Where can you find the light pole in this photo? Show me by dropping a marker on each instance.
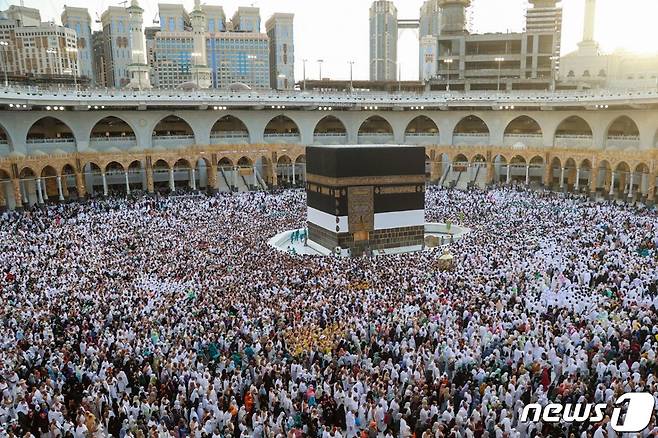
(351, 63)
(449, 62)
(304, 61)
(5, 63)
(320, 61)
(74, 68)
(499, 60)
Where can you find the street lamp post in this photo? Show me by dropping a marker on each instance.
(74, 68)
(351, 63)
(499, 60)
(449, 62)
(5, 63)
(320, 61)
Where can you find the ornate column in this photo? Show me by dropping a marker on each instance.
(212, 176)
(44, 189)
(293, 174)
(125, 173)
(275, 175)
(18, 198)
(60, 192)
(593, 177)
(612, 183)
(149, 177)
(172, 183)
(562, 178)
(576, 185)
(193, 178)
(491, 172)
(651, 188)
(548, 174)
(39, 194)
(509, 174)
(235, 176)
(630, 186)
(527, 174)
(104, 178)
(80, 184)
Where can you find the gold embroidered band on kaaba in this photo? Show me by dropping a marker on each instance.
(364, 180)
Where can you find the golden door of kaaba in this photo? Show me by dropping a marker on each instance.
(361, 211)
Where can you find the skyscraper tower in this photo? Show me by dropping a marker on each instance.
(383, 41)
(453, 16)
(200, 71)
(138, 69)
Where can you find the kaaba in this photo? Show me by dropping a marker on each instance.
(365, 198)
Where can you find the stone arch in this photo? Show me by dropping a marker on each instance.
(229, 129)
(523, 131)
(330, 125)
(421, 126)
(374, 130)
(574, 131)
(470, 130)
(112, 132)
(172, 132)
(523, 126)
(284, 166)
(622, 133)
(460, 158)
(6, 144)
(225, 162)
(479, 158)
(281, 129)
(330, 129)
(245, 161)
(50, 135)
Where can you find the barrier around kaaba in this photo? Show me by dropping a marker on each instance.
(365, 198)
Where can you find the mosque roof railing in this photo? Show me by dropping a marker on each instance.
(272, 99)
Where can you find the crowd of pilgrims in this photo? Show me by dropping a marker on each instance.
(172, 317)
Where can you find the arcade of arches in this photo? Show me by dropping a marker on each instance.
(37, 180)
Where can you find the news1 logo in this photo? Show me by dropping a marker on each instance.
(640, 406)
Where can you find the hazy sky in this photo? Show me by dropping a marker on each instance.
(337, 30)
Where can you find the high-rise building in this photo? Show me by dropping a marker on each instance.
(242, 57)
(24, 16)
(216, 18)
(35, 48)
(149, 35)
(383, 41)
(79, 20)
(428, 30)
(98, 58)
(117, 50)
(428, 57)
(246, 19)
(213, 53)
(496, 61)
(430, 19)
(172, 59)
(173, 18)
(282, 56)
